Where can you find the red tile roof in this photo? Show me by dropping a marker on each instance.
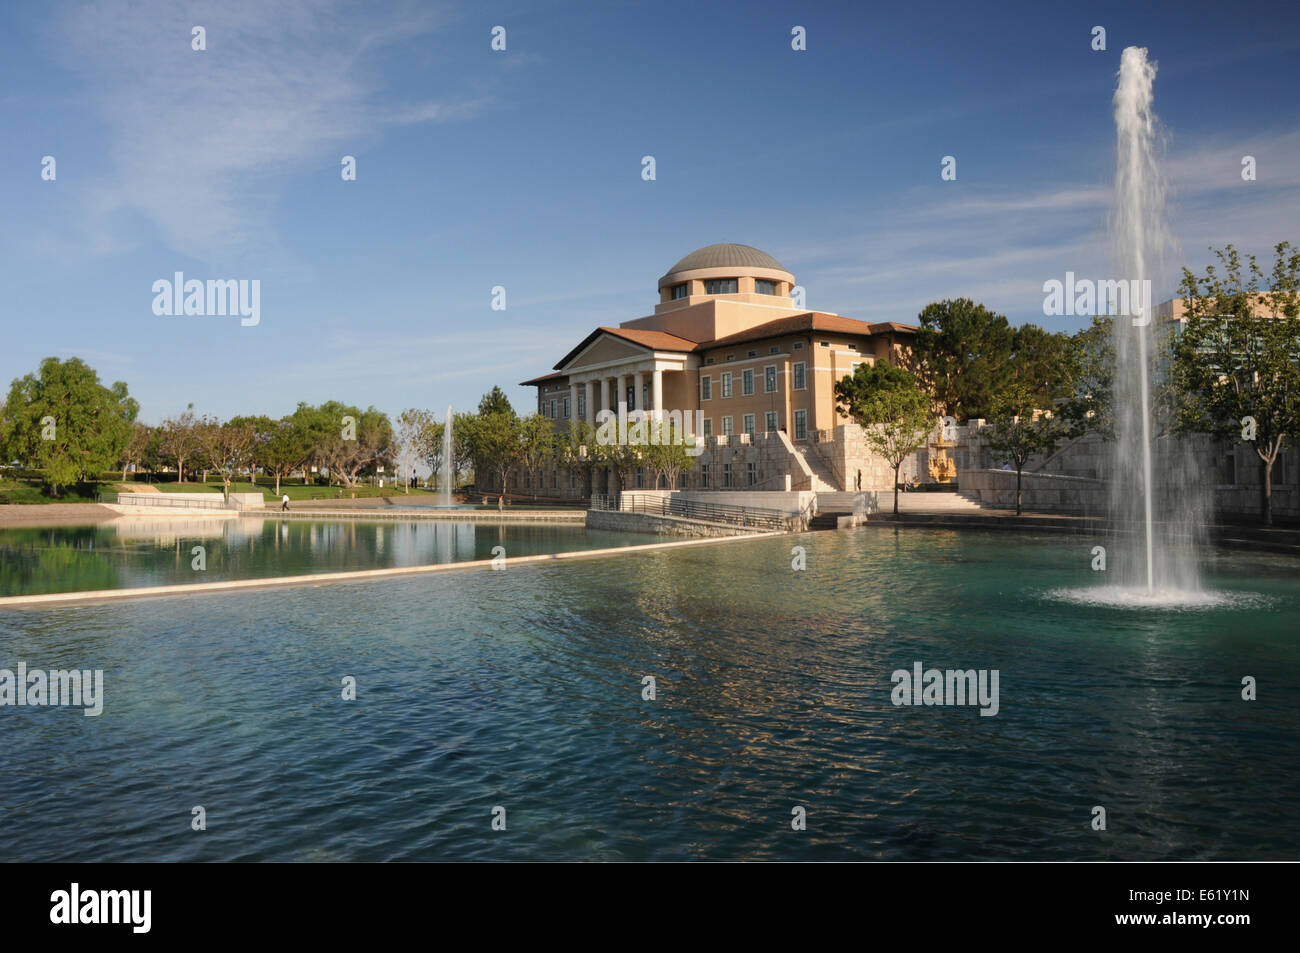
(808, 321)
(545, 378)
(663, 341)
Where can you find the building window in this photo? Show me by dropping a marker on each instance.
(751, 473)
(566, 407)
(731, 357)
(706, 388)
(708, 427)
(721, 286)
(573, 479)
(640, 478)
(798, 346)
(824, 343)
(747, 382)
(752, 354)
(771, 422)
(726, 475)
(555, 479)
(709, 361)
(645, 397)
(773, 350)
(764, 287)
(769, 378)
(704, 475)
(582, 405)
(681, 480)
(726, 384)
(747, 422)
(552, 409)
(801, 425)
(726, 426)
(680, 291)
(800, 376)
(631, 397)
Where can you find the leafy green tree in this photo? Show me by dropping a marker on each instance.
(63, 420)
(495, 402)
(893, 411)
(348, 440)
(536, 445)
(1237, 363)
(136, 447)
(1020, 428)
(290, 443)
(228, 447)
(1087, 405)
(493, 437)
(262, 429)
(962, 356)
(666, 455)
(574, 449)
(179, 443)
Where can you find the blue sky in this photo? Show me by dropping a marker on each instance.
(522, 168)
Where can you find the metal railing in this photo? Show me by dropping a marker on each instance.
(758, 517)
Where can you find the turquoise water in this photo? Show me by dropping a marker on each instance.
(133, 553)
(523, 688)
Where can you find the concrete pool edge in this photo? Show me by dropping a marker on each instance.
(95, 596)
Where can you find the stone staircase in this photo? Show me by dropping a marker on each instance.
(929, 503)
(823, 479)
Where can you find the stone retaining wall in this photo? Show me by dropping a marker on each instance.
(660, 525)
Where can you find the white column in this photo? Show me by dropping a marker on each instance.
(591, 402)
(638, 389)
(621, 392)
(573, 402)
(657, 393)
(604, 391)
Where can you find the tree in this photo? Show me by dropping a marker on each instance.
(575, 450)
(892, 410)
(1019, 428)
(262, 429)
(1237, 363)
(1087, 405)
(289, 444)
(667, 453)
(495, 402)
(493, 439)
(348, 440)
(536, 445)
(227, 447)
(136, 446)
(63, 420)
(180, 440)
(417, 437)
(962, 356)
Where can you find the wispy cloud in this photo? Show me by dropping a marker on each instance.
(199, 142)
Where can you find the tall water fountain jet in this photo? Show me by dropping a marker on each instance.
(1155, 489)
(447, 467)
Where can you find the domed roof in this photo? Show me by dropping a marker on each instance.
(726, 256)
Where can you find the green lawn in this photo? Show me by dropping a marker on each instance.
(33, 491)
(29, 489)
(294, 490)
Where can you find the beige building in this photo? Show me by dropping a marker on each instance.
(729, 343)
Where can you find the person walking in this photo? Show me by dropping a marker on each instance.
(284, 503)
(501, 504)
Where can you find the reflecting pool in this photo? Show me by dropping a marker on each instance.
(133, 553)
(523, 689)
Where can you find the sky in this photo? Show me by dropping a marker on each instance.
(522, 168)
